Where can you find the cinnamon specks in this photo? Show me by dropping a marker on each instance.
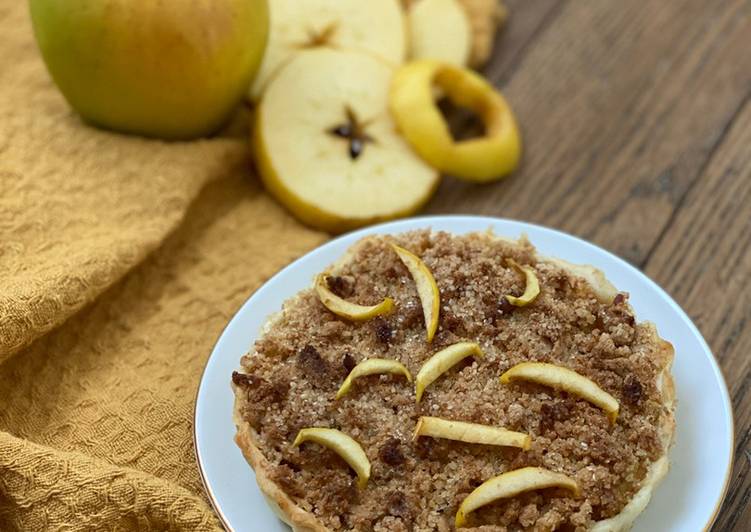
(632, 390)
(311, 364)
(390, 452)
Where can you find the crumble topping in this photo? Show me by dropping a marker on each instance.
(291, 377)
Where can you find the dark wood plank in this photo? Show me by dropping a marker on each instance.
(621, 104)
(526, 21)
(704, 261)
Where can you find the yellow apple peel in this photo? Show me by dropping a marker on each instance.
(564, 379)
(440, 362)
(343, 445)
(462, 431)
(427, 289)
(531, 288)
(512, 484)
(345, 309)
(373, 366)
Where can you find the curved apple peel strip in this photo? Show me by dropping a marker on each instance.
(564, 379)
(437, 427)
(341, 444)
(345, 309)
(426, 286)
(532, 288)
(512, 484)
(413, 106)
(441, 361)
(373, 366)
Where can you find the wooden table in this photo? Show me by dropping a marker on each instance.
(637, 135)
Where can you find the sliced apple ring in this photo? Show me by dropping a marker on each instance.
(412, 105)
(377, 28)
(427, 289)
(345, 309)
(343, 445)
(326, 147)
(373, 366)
(440, 362)
(531, 289)
(564, 379)
(437, 427)
(440, 30)
(512, 484)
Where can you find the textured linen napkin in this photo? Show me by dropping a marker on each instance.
(121, 260)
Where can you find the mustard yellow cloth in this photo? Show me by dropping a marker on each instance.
(121, 260)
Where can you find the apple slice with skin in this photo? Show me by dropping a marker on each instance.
(531, 289)
(564, 379)
(412, 103)
(378, 28)
(427, 289)
(440, 362)
(326, 146)
(345, 309)
(470, 433)
(343, 445)
(512, 484)
(439, 29)
(373, 366)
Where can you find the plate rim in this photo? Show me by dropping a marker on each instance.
(490, 220)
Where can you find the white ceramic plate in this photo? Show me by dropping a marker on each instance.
(701, 459)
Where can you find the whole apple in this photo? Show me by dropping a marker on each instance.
(170, 69)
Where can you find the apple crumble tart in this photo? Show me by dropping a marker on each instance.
(430, 381)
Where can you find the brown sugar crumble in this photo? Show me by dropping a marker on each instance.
(290, 378)
(341, 285)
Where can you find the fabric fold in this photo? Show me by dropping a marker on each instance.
(44, 489)
(121, 261)
(79, 206)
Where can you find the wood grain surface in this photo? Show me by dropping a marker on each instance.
(637, 131)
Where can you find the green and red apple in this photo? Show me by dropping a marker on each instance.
(164, 69)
